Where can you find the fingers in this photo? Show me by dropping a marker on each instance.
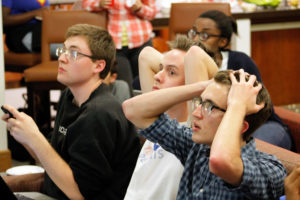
(12, 110)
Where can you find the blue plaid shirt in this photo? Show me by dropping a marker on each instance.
(263, 174)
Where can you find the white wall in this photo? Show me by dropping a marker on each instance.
(3, 135)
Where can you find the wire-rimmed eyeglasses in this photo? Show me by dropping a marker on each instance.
(206, 106)
(72, 54)
(203, 36)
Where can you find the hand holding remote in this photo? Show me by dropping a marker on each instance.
(7, 112)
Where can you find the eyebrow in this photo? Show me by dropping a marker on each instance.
(210, 101)
(161, 66)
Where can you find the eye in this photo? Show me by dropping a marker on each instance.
(208, 106)
(73, 53)
(171, 71)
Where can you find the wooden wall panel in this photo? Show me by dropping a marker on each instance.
(277, 55)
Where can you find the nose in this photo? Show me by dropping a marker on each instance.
(158, 77)
(63, 58)
(198, 112)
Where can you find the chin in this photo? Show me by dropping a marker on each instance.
(199, 139)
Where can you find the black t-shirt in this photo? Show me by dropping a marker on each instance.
(99, 144)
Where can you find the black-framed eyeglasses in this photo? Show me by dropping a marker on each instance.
(206, 106)
(72, 54)
(203, 36)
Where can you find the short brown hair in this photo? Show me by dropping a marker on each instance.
(99, 41)
(182, 42)
(255, 120)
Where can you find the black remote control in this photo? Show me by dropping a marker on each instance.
(7, 112)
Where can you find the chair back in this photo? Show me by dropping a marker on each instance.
(183, 15)
(56, 23)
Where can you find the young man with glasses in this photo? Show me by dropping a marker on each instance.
(93, 147)
(218, 153)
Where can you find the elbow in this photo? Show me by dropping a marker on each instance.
(195, 51)
(218, 165)
(146, 54)
(126, 106)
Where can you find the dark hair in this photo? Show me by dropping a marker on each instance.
(100, 43)
(255, 120)
(114, 68)
(226, 24)
(182, 42)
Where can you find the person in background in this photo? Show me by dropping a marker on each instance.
(118, 88)
(157, 172)
(129, 24)
(22, 24)
(93, 148)
(214, 30)
(219, 157)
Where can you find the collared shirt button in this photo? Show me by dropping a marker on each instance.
(201, 190)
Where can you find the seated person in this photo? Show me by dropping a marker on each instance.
(22, 25)
(157, 172)
(93, 147)
(219, 157)
(214, 30)
(118, 88)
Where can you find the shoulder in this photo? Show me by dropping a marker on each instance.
(239, 56)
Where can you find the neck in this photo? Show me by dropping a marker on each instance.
(83, 91)
(218, 58)
(179, 112)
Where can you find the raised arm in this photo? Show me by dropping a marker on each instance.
(198, 66)
(149, 61)
(144, 109)
(225, 156)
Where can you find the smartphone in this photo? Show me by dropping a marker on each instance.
(7, 112)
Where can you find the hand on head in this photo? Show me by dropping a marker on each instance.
(292, 185)
(244, 93)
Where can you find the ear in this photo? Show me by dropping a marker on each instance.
(223, 42)
(245, 126)
(113, 77)
(99, 66)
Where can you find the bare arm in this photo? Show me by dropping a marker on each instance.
(144, 109)
(198, 66)
(11, 20)
(149, 60)
(225, 156)
(25, 131)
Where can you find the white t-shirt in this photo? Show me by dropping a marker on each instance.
(156, 175)
(225, 57)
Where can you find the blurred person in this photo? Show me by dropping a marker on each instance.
(93, 147)
(118, 88)
(219, 157)
(214, 30)
(157, 172)
(22, 24)
(129, 24)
